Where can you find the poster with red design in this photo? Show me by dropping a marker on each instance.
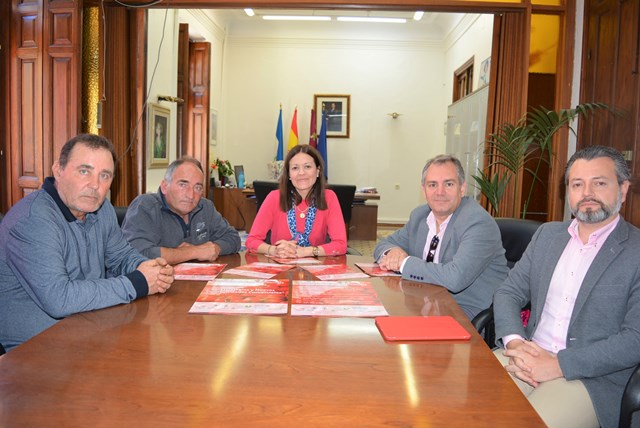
(197, 271)
(334, 272)
(374, 269)
(259, 270)
(243, 296)
(335, 299)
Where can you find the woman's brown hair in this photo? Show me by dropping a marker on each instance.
(288, 193)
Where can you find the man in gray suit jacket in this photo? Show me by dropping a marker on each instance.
(452, 241)
(582, 278)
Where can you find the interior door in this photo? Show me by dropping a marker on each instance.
(197, 105)
(610, 75)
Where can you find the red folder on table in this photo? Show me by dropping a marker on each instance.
(421, 328)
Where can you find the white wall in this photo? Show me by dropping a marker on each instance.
(262, 67)
(161, 52)
(164, 52)
(380, 77)
(470, 38)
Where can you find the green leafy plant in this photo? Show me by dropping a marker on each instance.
(223, 167)
(518, 146)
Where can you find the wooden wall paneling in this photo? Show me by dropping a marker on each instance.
(124, 122)
(564, 76)
(626, 136)
(26, 143)
(5, 113)
(507, 98)
(597, 66)
(182, 120)
(116, 107)
(61, 77)
(197, 144)
(541, 92)
(625, 129)
(135, 163)
(610, 75)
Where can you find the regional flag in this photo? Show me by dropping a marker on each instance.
(322, 143)
(280, 138)
(293, 134)
(313, 132)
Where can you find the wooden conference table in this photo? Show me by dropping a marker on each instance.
(151, 363)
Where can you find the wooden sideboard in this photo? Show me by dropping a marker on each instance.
(238, 206)
(235, 206)
(364, 222)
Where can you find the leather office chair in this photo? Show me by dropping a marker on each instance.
(630, 399)
(120, 213)
(345, 194)
(262, 189)
(516, 234)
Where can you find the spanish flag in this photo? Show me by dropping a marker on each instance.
(293, 134)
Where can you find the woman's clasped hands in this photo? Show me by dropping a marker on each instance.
(285, 249)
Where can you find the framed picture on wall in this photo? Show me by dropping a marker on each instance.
(337, 109)
(485, 72)
(213, 128)
(158, 136)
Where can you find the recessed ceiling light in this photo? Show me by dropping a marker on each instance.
(418, 15)
(371, 19)
(249, 12)
(296, 18)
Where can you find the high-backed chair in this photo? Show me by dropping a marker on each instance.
(345, 194)
(630, 399)
(262, 189)
(516, 234)
(121, 212)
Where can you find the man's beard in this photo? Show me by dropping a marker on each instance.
(596, 216)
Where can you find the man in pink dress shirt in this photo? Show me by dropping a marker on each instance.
(574, 357)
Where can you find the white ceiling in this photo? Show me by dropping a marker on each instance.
(433, 25)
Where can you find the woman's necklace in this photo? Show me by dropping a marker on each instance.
(303, 214)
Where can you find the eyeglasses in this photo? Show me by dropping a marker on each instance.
(432, 248)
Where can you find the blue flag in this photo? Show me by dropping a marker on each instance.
(322, 144)
(280, 138)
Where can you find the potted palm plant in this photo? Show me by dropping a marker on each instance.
(525, 145)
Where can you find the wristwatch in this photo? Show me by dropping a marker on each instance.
(316, 253)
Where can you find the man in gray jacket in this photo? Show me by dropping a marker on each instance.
(62, 252)
(452, 241)
(582, 278)
(177, 223)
